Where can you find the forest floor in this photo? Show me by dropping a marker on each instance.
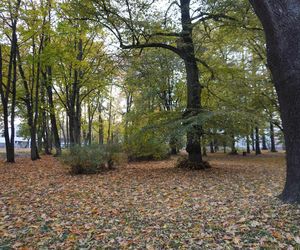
(148, 205)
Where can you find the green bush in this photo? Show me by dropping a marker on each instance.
(93, 159)
(141, 148)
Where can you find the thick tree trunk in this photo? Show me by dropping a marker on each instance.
(281, 24)
(74, 127)
(193, 85)
(193, 108)
(10, 153)
(272, 138)
(257, 142)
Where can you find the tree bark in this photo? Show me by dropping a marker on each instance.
(264, 143)
(193, 85)
(233, 148)
(252, 140)
(204, 151)
(248, 144)
(272, 138)
(224, 148)
(211, 145)
(8, 90)
(49, 85)
(101, 127)
(216, 145)
(281, 20)
(31, 102)
(257, 142)
(53, 121)
(173, 147)
(74, 102)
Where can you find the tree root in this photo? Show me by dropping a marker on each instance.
(183, 162)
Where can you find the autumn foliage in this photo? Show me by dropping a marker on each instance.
(148, 205)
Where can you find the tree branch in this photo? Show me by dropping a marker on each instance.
(153, 45)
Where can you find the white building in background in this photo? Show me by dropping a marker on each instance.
(19, 142)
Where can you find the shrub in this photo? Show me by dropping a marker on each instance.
(151, 149)
(92, 159)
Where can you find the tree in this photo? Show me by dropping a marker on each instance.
(8, 88)
(159, 35)
(280, 20)
(49, 86)
(31, 71)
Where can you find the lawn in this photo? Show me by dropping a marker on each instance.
(148, 205)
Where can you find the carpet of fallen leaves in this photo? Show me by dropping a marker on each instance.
(148, 205)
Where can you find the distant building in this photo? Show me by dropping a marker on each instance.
(19, 142)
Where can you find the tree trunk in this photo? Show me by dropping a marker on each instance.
(257, 143)
(33, 144)
(204, 146)
(67, 131)
(281, 24)
(272, 138)
(101, 129)
(10, 154)
(44, 123)
(90, 124)
(252, 140)
(211, 145)
(109, 139)
(216, 145)
(248, 144)
(54, 127)
(233, 148)
(173, 147)
(264, 143)
(8, 90)
(193, 85)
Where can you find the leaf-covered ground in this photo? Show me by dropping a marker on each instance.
(148, 205)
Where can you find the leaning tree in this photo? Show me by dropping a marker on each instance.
(280, 20)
